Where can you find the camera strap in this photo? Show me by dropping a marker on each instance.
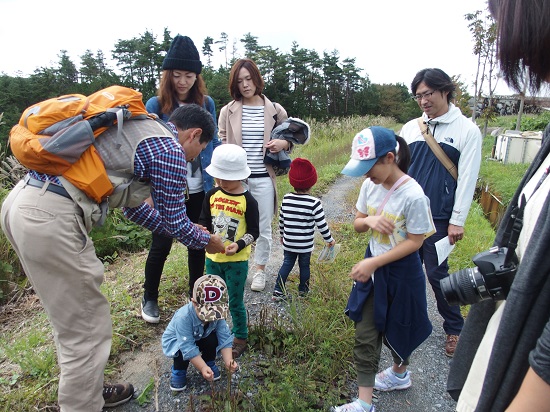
(515, 224)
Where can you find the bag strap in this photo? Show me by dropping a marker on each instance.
(386, 198)
(436, 149)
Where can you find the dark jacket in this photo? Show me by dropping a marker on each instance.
(400, 307)
(525, 316)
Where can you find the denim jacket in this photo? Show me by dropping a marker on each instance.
(185, 328)
(153, 106)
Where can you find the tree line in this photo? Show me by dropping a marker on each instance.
(307, 84)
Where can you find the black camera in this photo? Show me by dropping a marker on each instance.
(490, 279)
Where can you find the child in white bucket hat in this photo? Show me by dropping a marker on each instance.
(230, 211)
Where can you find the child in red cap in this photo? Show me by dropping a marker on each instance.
(299, 215)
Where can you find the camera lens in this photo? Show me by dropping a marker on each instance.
(464, 287)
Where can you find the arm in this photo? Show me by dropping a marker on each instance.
(227, 356)
(199, 363)
(468, 170)
(322, 225)
(533, 395)
(252, 217)
(222, 125)
(211, 107)
(363, 270)
(205, 218)
(363, 223)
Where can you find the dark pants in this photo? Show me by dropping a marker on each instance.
(207, 346)
(453, 320)
(288, 263)
(160, 249)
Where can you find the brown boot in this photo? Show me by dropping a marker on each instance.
(239, 346)
(450, 345)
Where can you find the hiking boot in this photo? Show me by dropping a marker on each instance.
(450, 345)
(386, 381)
(178, 380)
(354, 406)
(117, 393)
(150, 311)
(239, 346)
(258, 281)
(215, 370)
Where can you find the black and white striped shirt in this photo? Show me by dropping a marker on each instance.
(253, 137)
(299, 215)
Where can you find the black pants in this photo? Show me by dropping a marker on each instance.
(160, 249)
(207, 346)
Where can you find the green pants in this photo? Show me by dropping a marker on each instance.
(368, 346)
(234, 274)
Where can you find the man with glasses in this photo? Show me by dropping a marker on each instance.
(450, 199)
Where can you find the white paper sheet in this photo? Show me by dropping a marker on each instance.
(444, 249)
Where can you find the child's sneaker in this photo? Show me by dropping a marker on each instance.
(354, 406)
(278, 296)
(387, 381)
(215, 369)
(178, 380)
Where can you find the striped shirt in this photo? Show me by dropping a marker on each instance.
(253, 137)
(299, 215)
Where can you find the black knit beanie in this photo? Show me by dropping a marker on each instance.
(183, 55)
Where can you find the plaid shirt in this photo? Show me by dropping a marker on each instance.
(161, 162)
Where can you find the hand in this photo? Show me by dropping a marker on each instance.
(231, 249)
(380, 224)
(149, 201)
(203, 228)
(455, 233)
(232, 366)
(215, 245)
(276, 145)
(363, 270)
(331, 244)
(207, 373)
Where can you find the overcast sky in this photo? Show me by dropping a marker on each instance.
(390, 39)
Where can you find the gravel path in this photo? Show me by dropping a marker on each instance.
(429, 365)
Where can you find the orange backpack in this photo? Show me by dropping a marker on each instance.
(56, 136)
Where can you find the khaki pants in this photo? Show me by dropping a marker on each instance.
(368, 346)
(48, 234)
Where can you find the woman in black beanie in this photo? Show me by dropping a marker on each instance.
(181, 83)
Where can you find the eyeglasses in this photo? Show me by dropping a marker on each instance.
(427, 95)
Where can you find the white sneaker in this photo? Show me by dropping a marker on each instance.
(354, 406)
(258, 281)
(386, 381)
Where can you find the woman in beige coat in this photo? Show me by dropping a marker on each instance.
(248, 121)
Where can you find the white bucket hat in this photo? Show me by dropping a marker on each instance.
(228, 163)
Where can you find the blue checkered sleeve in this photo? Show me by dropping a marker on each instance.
(161, 161)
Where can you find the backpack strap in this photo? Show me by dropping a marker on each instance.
(436, 149)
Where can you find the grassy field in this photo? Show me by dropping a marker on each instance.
(300, 375)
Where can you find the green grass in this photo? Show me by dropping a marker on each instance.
(308, 357)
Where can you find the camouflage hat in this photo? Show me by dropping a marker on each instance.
(210, 293)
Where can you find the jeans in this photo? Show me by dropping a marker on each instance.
(160, 249)
(288, 263)
(452, 318)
